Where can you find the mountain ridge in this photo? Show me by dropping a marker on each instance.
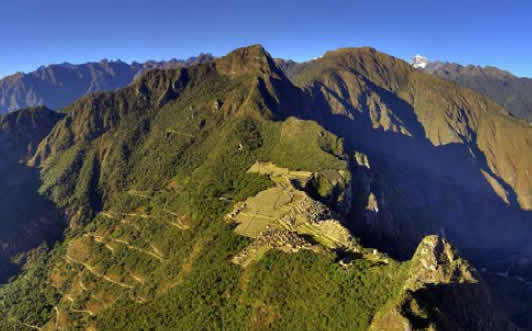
(432, 127)
(58, 85)
(508, 90)
(161, 180)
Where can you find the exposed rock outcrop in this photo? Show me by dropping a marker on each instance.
(437, 295)
(436, 262)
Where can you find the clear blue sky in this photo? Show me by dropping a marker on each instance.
(37, 32)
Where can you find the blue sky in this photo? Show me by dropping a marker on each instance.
(37, 32)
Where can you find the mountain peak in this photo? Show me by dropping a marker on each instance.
(381, 68)
(342, 50)
(349, 51)
(247, 60)
(355, 56)
(419, 61)
(436, 261)
(437, 295)
(22, 130)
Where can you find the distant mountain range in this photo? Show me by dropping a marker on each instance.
(58, 85)
(511, 92)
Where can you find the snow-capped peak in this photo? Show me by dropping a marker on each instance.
(419, 61)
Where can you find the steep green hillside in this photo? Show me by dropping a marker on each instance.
(21, 132)
(27, 218)
(220, 196)
(432, 295)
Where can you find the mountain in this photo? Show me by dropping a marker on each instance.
(28, 219)
(289, 67)
(430, 155)
(437, 145)
(60, 84)
(430, 298)
(419, 62)
(511, 92)
(226, 195)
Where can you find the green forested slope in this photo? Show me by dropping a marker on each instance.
(151, 178)
(27, 218)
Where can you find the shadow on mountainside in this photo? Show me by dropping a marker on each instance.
(449, 307)
(420, 188)
(28, 219)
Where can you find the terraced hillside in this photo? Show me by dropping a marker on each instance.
(222, 196)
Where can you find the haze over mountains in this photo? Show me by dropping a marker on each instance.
(249, 193)
(513, 93)
(58, 85)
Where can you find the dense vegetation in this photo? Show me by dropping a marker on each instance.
(297, 292)
(184, 160)
(146, 176)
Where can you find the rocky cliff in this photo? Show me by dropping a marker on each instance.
(437, 295)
